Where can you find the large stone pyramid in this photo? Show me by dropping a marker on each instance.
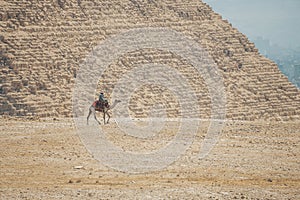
(44, 42)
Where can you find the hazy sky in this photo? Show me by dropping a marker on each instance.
(276, 20)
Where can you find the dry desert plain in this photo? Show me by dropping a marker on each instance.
(45, 159)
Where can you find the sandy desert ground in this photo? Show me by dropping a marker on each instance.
(45, 159)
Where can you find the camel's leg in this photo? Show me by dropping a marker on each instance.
(108, 117)
(87, 119)
(104, 116)
(96, 117)
(92, 110)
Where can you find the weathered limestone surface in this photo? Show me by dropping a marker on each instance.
(44, 42)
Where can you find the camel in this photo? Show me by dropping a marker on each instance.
(104, 109)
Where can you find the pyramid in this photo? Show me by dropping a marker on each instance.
(43, 44)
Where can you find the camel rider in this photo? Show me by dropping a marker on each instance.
(102, 99)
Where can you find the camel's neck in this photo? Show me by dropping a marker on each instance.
(114, 104)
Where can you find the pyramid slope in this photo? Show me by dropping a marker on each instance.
(43, 44)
